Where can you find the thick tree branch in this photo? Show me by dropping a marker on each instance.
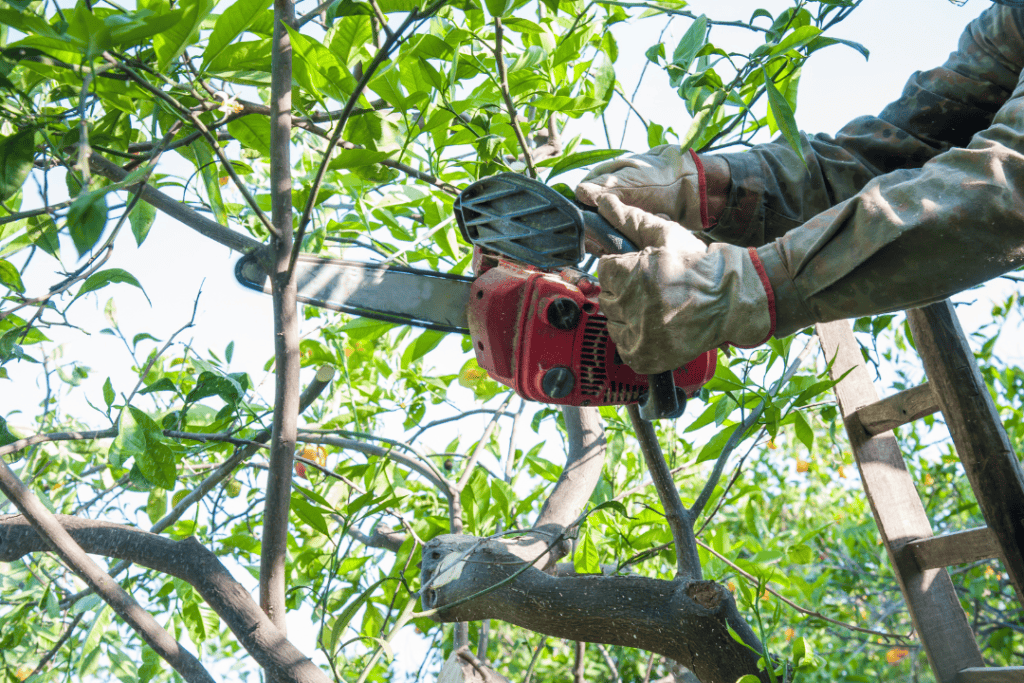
(274, 546)
(685, 619)
(54, 535)
(583, 465)
(187, 560)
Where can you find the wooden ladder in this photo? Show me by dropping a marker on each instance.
(918, 557)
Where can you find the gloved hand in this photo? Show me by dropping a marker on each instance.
(667, 180)
(666, 306)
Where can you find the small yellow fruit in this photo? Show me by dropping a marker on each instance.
(842, 472)
(896, 655)
(790, 633)
(771, 444)
(24, 672)
(315, 453)
(731, 586)
(802, 466)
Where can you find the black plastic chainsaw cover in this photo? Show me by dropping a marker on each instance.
(523, 219)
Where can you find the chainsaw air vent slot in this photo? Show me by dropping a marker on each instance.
(523, 219)
(623, 393)
(592, 356)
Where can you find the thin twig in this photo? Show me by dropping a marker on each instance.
(506, 95)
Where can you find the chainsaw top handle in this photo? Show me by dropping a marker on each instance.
(526, 220)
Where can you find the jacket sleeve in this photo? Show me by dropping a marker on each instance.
(913, 235)
(773, 192)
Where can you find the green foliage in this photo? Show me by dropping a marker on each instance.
(400, 413)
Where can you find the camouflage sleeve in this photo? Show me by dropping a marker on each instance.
(916, 235)
(773, 191)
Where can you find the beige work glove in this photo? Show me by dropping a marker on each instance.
(666, 306)
(667, 180)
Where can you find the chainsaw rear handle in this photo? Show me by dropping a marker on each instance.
(663, 399)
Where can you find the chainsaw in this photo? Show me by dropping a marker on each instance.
(533, 317)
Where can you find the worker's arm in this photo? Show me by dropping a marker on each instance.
(772, 191)
(906, 238)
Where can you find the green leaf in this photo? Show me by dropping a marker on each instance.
(566, 104)
(795, 40)
(253, 132)
(10, 277)
(156, 505)
(425, 343)
(102, 278)
(169, 44)
(570, 162)
(354, 158)
(614, 505)
(824, 41)
(691, 43)
(498, 8)
(193, 619)
(586, 560)
(92, 641)
(141, 218)
(108, 393)
(43, 233)
(231, 24)
(16, 154)
(228, 387)
(804, 433)
(784, 117)
(6, 438)
(208, 168)
(714, 447)
(87, 217)
(318, 70)
(162, 384)
(157, 464)
(309, 514)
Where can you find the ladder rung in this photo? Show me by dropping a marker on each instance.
(898, 409)
(991, 674)
(959, 547)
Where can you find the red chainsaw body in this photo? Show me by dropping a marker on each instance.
(527, 336)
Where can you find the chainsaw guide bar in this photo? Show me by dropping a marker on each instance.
(394, 294)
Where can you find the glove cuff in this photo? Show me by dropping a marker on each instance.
(702, 191)
(762, 275)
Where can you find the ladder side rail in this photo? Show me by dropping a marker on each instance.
(934, 608)
(981, 442)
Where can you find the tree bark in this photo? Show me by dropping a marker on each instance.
(286, 326)
(685, 620)
(187, 560)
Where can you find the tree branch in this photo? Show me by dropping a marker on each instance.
(679, 519)
(284, 290)
(54, 535)
(187, 560)
(175, 209)
(685, 620)
(513, 116)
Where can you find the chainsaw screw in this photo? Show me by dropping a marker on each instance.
(563, 313)
(558, 382)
